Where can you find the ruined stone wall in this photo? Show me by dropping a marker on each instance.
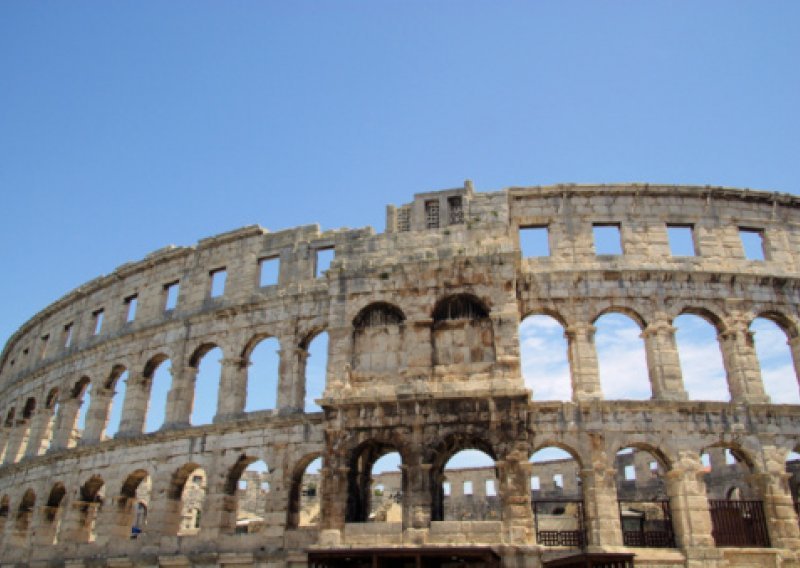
(423, 359)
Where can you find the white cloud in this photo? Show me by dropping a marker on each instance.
(543, 354)
(621, 358)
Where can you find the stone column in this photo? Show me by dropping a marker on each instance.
(97, 416)
(601, 506)
(688, 503)
(515, 496)
(115, 520)
(164, 514)
(583, 367)
(65, 423)
(291, 377)
(772, 487)
(232, 389)
(134, 408)
(663, 363)
(219, 514)
(180, 399)
(741, 365)
(78, 523)
(17, 441)
(45, 526)
(41, 426)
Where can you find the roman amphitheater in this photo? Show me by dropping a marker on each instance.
(423, 362)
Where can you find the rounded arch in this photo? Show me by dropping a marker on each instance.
(460, 306)
(717, 321)
(557, 444)
(448, 446)
(622, 310)
(116, 372)
(132, 483)
(778, 318)
(360, 462)
(738, 451)
(252, 343)
(296, 488)
(179, 478)
(52, 398)
(378, 314)
(545, 311)
(90, 492)
(201, 351)
(28, 502)
(153, 363)
(56, 496)
(662, 458)
(29, 408)
(79, 387)
(236, 470)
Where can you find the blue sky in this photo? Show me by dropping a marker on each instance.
(127, 126)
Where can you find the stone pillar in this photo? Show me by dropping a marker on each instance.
(115, 520)
(333, 503)
(794, 345)
(663, 363)
(772, 487)
(41, 427)
(45, 526)
(688, 503)
(64, 433)
(601, 506)
(583, 367)
(97, 416)
(78, 523)
(741, 365)
(17, 441)
(291, 377)
(232, 389)
(417, 495)
(180, 399)
(515, 496)
(134, 408)
(219, 514)
(164, 514)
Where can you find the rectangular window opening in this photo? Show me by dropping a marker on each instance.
(491, 490)
(558, 480)
(98, 321)
(131, 302)
(630, 473)
(534, 241)
(607, 239)
(446, 488)
(403, 219)
(68, 334)
(218, 278)
(467, 488)
(432, 214)
(535, 483)
(681, 240)
(455, 206)
(324, 257)
(171, 295)
(45, 341)
(269, 269)
(752, 243)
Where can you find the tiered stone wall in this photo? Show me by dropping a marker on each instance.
(423, 359)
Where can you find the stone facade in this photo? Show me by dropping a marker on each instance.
(423, 360)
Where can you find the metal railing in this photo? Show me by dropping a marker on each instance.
(647, 524)
(559, 522)
(738, 523)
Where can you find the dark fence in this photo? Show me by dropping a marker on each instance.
(647, 524)
(559, 522)
(738, 523)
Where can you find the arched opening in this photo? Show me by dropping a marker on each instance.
(24, 515)
(29, 408)
(365, 500)
(793, 469)
(467, 486)
(91, 497)
(377, 340)
(543, 358)
(116, 383)
(52, 405)
(81, 397)
(158, 373)
(621, 357)
(133, 504)
(737, 512)
(386, 489)
(207, 360)
(462, 331)
(315, 370)
(703, 371)
(53, 513)
(557, 498)
(644, 507)
(263, 357)
(775, 359)
(188, 490)
(249, 483)
(305, 496)
(4, 507)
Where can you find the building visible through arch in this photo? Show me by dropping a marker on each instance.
(415, 333)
